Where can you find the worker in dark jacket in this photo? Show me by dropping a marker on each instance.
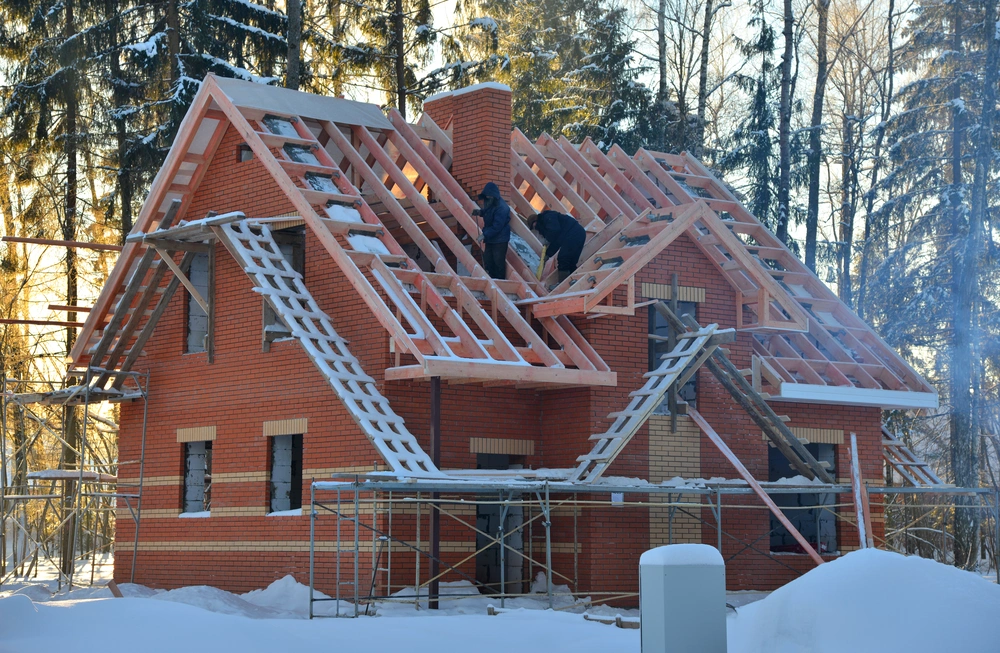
(565, 237)
(496, 230)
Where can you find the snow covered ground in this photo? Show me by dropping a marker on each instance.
(865, 601)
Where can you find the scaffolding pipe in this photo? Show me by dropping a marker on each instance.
(312, 544)
(548, 545)
(434, 586)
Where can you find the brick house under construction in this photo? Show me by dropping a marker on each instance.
(303, 270)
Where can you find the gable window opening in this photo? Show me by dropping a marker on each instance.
(197, 478)
(659, 332)
(286, 473)
(292, 244)
(197, 335)
(812, 513)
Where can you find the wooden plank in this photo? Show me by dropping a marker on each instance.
(56, 323)
(525, 147)
(860, 500)
(752, 482)
(147, 331)
(168, 259)
(581, 170)
(609, 169)
(72, 244)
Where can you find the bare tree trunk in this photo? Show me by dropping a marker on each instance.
(815, 132)
(784, 125)
(294, 59)
(173, 40)
(400, 55)
(661, 50)
(965, 428)
(887, 97)
(848, 205)
(964, 453)
(706, 34)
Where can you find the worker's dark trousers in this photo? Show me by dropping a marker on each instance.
(495, 260)
(569, 258)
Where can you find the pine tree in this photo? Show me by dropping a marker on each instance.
(570, 65)
(932, 141)
(751, 149)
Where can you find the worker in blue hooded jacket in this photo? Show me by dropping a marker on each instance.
(496, 230)
(565, 237)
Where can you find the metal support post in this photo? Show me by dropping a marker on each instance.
(357, 543)
(548, 544)
(718, 521)
(671, 343)
(416, 552)
(435, 529)
(502, 541)
(996, 533)
(142, 477)
(339, 517)
(3, 484)
(312, 544)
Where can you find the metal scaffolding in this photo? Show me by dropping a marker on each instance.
(351, 502)
(52, 513)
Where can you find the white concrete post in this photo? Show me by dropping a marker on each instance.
(682, 599)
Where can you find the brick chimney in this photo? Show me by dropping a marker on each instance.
(480, 116)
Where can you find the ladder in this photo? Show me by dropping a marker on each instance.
(907, 463)
(733, 380)
(254, 248)
(691, 351)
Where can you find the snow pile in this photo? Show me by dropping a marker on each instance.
(873, 601)
(866, 601)
(462, 598)
(220, 601)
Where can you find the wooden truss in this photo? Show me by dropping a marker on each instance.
(802, 331)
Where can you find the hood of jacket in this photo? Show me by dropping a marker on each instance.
(490, 190)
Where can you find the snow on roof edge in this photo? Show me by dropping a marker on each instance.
(467, 89)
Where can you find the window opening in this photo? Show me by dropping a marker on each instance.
(659, 331)
(807, 511)
(286, 472)
(197, 476)
(197, 318)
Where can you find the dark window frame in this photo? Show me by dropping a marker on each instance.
(656, 325)
(276, 502)
(272, 327)
(817, 525)
(191, 306)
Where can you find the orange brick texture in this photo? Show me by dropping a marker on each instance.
(481, 126)
(245, 387)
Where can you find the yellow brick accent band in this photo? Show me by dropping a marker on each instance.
(296, 426)
(155, 481)
(662, 291)
(196, 434)
(822, 436)
(239, 511)
(503, 446)
(239, 477)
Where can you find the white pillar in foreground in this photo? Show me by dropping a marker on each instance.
(682, 599)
